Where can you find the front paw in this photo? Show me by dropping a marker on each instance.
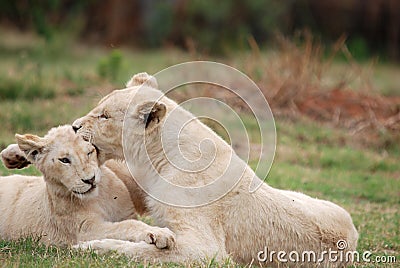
(101, 246)
(13, 157)
(161, 237)
(85, 245)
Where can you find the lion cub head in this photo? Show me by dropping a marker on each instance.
(69, 164)
(103, 126)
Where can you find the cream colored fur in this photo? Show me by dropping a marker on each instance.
(74, 201)
(240, 224)
(14, 158)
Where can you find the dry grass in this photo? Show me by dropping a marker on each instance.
(303, 79)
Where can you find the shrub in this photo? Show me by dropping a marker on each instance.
(110, 66)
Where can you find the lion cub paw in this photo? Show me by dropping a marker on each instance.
(13, 157)
(160, 237)
(103, 245)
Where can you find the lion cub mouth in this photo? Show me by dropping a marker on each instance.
(92, 184)
(86, 135)
(91, 189)
(96, 148)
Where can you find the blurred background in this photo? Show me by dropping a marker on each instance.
(371, 27)
(330, 70)
(319, 59)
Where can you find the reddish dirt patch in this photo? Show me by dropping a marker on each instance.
(365, 116)
(353, 110)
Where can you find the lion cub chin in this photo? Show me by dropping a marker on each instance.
(75, 200)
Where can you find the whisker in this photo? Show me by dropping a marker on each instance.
(86, 135)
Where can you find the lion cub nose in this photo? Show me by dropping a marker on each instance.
(89, 181)
(76, 125)
(76, 128)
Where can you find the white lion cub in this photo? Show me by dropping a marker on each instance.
(164, 147)
(76, 200)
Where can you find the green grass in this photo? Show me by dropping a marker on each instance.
(68, 79)
(13, 90)
(30, 253)
(365, 182)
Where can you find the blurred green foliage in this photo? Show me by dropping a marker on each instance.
(358, 48)
(12, 89)
(213, 26)
(159, 24)
(110, 66)
(210, 26)
(45, 16)
(216, 26)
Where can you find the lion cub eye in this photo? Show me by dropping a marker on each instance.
(64, 160)
(90, 153)
(104, 115)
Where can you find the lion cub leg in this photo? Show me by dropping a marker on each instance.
(188, 248)
(131, 230)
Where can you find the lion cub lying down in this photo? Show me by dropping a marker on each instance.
(76, 200)
(163, 145)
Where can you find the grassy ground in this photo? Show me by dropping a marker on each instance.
(44, 85)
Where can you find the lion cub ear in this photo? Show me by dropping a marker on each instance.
(142, 79)
(151, 113)
(31, 145)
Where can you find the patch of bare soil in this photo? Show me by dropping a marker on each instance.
(369, 119)
(356, 111)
